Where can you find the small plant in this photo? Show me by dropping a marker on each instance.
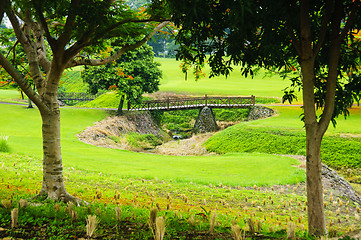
(251, 226)
(153, 218)
(4, 147)
(23, 203)
(14, 217)
(291, 230)
(191, 220)
(160, 228)
(118, 212)
(91, 225)
(74, 216)
(237, 233)
(213, 222)
(6, 203)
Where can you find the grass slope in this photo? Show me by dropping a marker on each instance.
(283, 134)
(235, 84)
(72, 80)
(23, 127)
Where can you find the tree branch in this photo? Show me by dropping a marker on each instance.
(44, 25)
(19, 79)
(40, 46)
(97, 62)
(349, 21)
(3, 4)
(333, 60)
(110, 28)
(295, 41)
(69, 24)
(323, 30)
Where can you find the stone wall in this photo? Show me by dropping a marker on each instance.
(258, 112)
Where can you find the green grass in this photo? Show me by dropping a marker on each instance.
(177, 201)
(10, 95)
(283, 134)
(106, 100)
(23, 127)
(260, 86)
(72, 80)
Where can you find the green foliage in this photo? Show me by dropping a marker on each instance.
(4, 146)
(132, 74)
(230, 115)
(337, 152)
(231, 33)
(144, 141)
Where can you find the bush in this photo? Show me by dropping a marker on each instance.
(4, 147)
(144, 141)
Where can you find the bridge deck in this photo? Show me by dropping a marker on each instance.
(170, 104)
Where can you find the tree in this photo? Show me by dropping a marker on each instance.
(71, 28)
(132, 74)
(314, 37)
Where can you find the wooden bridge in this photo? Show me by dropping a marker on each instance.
(170, 104)
(71, 98)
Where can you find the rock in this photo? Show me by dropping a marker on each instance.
(259, 112)
(340, 185)
(205, 121)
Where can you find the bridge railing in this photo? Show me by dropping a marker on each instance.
(193, 102)
(72, 97)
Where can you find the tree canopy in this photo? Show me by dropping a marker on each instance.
(131, 75)
(312, 41)
(55, 35)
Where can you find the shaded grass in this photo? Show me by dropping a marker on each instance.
(23, 127)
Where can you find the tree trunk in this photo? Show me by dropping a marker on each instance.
(316, 215)
(53, 181)
(30, 104)
(120, 107)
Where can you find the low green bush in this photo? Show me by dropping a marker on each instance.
(4, 146)
(338, 152)
(144, 141)
(231, 115)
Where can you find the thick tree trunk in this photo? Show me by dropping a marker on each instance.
(316, 215)
(53, 181)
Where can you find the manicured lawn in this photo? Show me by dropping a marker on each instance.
(10, 95)
(23, 127)
(289, 118)
(235, 84)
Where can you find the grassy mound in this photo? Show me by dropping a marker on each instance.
(336, 151)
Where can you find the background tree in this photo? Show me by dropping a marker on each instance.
(132, 74)
(316, 37)
(70, 27)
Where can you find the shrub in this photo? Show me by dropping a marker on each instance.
(4, 147)
(145, 141)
